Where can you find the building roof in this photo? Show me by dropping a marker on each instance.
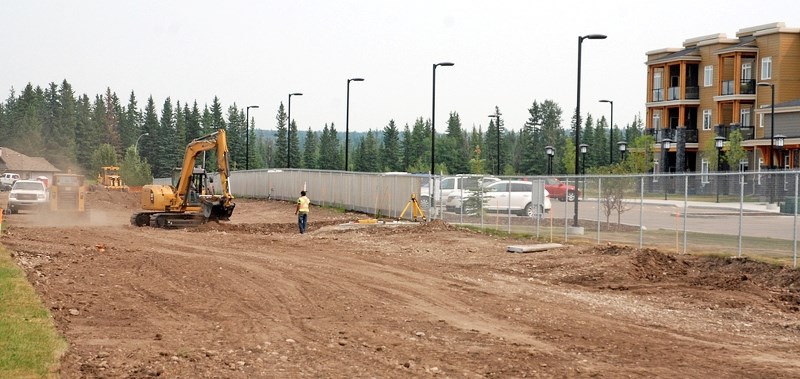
(690, 54)
(15, 161)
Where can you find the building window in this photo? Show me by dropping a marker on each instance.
(744, 118)
(656, 119)
(655, 170)
(708, 76)
(766, 68)
(747, 71)
(761, 120)
(706, 119)
(704, 171)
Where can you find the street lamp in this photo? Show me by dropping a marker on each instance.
(247, 139)
(719, 141)
(610, 133)
(288, 132)
(578, 113)
(584, 149)
(622, 147)
(779, 139)
(666, 143)
(497, 125)
(433, 130)
(550, 152)
(136, 147)
(347, 122)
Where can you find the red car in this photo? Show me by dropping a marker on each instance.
(559, 190)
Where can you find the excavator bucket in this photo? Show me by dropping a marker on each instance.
(217, 211)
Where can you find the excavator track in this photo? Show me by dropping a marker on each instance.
(168, 220)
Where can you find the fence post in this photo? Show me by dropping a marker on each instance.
(641, 213)
(794, 228)
(599, 195)
(741, 213)
(685, 206)
(566, 207)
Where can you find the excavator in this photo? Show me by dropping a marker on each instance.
(189, 201)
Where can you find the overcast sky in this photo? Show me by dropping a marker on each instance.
(506, 53)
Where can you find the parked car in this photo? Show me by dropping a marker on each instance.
(7, 180)
(451, 184)
(559, 190)
(514, 196)
(27, 194)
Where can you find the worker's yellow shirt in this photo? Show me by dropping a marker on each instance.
(304, 203)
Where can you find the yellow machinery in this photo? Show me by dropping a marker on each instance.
(68, 193)
(109, 179)
(415, 209)
(188, 202)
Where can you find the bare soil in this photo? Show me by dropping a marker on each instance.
(253, 298)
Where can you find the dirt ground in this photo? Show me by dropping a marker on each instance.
(253, 298)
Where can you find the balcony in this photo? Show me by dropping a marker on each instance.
(692, 93)
(658, 94)
(746, 87)
(660, 134)
(674, 93)
(747, 131)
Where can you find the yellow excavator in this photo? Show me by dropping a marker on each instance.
(189, 202)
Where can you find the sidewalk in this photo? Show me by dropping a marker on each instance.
(703, 208)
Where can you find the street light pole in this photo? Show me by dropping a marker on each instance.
(136, 147)
(247, 139)
(433, 133)
(578, 114)
(497, 125)
(347, 123)
(666, 143)
(610, 133)
(289, 131)
(550, 152)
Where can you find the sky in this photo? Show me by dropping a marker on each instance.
(507, 54)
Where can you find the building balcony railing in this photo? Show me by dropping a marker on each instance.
(658, 94)
(746, 87)
(674, 93)
(690, 135)
(692, 93)
(747, 131)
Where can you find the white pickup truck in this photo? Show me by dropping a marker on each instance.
(7, 180)
(27, 194)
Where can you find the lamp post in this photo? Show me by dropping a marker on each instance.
(779, 139)
(666, 143)
(550, 152)
(578, 113)
(247, 139)
(136, 147)
(347, 123)
(289, 133)
(584, 149)
(497, 125)
(622, 147)
(433, 131)
(610, 133)
(719, 141)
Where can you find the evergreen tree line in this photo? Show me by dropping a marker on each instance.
(83, 133)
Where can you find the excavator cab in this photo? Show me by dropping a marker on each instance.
(198, 185)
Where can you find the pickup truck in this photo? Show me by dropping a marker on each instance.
(7, 180)
(450, 184)
(27, 194)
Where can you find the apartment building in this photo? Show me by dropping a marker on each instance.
(714, 85)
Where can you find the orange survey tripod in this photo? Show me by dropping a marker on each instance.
(415, 209)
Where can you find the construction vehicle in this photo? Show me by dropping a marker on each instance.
(109, 179)
(188, 202)
(68, 194)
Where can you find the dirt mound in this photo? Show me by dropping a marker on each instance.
(113, 200)
(260, 228)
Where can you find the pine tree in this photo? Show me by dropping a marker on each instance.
(454, 148)
(367, 154)
(310, 150)
(407, 148)
(194, 127)
(294, 146)
(391, 153)
(130, 123)
(148, 146)
(533, 159)
(111, 128)
(85, 138)
(281, 141)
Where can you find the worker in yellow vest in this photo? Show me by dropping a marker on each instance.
(302, 211)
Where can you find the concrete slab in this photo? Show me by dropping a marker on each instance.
(533, 248)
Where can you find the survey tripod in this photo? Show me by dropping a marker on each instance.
(415, 209)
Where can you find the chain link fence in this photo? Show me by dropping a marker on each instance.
(741, 214)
